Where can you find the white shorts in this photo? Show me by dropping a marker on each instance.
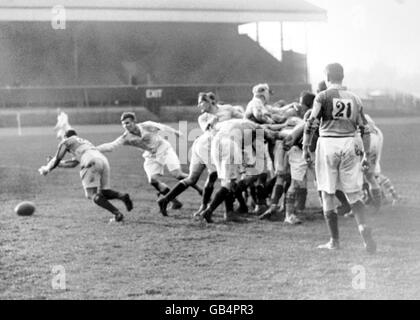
(337, 166)
(227, 157)
(258, 161)
(94, 171)
(154, 163)
(298, 165)
(281, 160)
(201, 153)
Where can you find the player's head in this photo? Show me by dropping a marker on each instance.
(322, 86)
(307, 99)
(206, 100)
(334, 73)
(262, 91)
(128, 121)
(70, 133)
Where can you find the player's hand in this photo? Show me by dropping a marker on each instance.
(365, 164)
(306, 155)
(288, 142)
(43, 170)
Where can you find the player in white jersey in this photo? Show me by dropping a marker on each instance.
(378, 184)
(94, 172)
(260, 111)
(158, 152)
(233, 142)
(337, 160)
(288, 160)
(212, 113)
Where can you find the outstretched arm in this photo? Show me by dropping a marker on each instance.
(55, 161)
(111, 146)
(155, 126)
(71, 163)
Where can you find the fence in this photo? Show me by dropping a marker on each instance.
(149, 96)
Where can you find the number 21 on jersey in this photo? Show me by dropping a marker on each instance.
(342, 108)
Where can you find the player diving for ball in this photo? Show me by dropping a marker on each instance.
(158, 152)
(212, 114)
(94, 172)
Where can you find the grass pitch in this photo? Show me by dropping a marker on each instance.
(152, 257)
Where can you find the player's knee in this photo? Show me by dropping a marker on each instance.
(97, 198)
(153, 180)
(190, 180)
(90, 193)
(355, 197)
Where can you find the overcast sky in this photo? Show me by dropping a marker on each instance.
(377, 41)
(368, 35)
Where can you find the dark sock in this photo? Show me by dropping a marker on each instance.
(290, 203)
(208, 191)
(218, 198)
(111, 194)
(260, 193)
(269, 186)
(229, 200)
(177, 190)
(239, 196)
(287, 183)
(301, 194)
(160, 187)
(332, 224)
(101, 201)
(277, 193)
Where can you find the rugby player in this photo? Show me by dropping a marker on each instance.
(230, 146)
(212, 114)
(337, 162)
(158, 152)
(94, 172)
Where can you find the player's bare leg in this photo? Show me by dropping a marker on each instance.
(180, 187)
(99, 199)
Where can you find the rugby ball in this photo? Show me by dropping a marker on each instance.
(25, 208)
